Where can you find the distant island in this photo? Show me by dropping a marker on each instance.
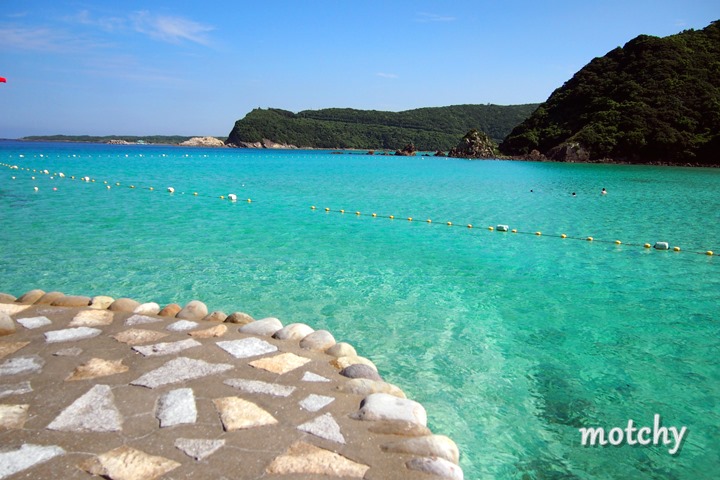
(653, 101)
(121, 139)
(429, 129)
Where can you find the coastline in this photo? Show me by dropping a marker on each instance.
(305, 404)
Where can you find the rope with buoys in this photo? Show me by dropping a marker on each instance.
(506, 228)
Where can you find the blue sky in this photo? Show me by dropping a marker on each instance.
(103, 67)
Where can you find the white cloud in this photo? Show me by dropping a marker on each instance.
(43, 39)
(386, 75)
(423, 17)
(171, 29)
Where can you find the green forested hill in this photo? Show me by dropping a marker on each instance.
(435, 128)
(655, 100)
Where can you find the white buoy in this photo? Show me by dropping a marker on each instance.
(171, 190)
(502, 228)
(232, 197)
(36, 189)
(662, 246)
(61, 175)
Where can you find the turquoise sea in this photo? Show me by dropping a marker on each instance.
(512, 341)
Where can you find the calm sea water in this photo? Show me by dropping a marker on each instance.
(511, 341)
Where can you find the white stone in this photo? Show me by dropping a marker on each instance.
(176, 407)
(15, 389)
(266, 327)
(247, 347)
(150, 308)
(314, 377)
(92, 318)
(18, 365)
(141, 319)
(325, 427)
(12, 308)
(182, 326)
(382, 406)
(34, 322)
(436, 466)
(28, 455)
(166, 348)
(179, 370)
(256, 386)
(198, 448)
(93, 412)
(79, 333)
(314, 403)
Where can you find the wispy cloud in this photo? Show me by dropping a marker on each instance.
(386, 75)
(424, 17)
(108, 24)
(43, 39)
(171, 29)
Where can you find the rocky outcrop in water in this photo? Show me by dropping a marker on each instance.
(203, 142)
(474, 144)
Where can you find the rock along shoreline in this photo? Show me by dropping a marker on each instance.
(122, 389)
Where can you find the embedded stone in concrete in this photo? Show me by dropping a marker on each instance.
(170, 310)
(178, 370)
(123, 305)
(49, 298)
(79, 333)
(74, 301)
(216, 316)
(13, 417)
(313, 377)
(28, 455)
(12, 309)
(265, 327)
(426, 446)
(150, 308)
(320, 341)
(136, 336)
(247, 347)
(365, 386)
(216, 331)
(304, 458)
(68, 352)
(7, 348)
(97, 367)
(294, 331)
(15, 389)
(166, 348)
(315, 403)
(435, 466)
(198, 448)
(360, 370)
(256, 386)
(194, 310)
(341, 349)
(344, 362)
(182, 326)
(7, 325)
(237, 413)
(239, 318)
(92, 318)
(381, 406)
(283, 363)
(141, 320)
(32, 323)
(325, 427)
(176, 407)
(30, 297)
(95, 411)
(126, 463)
(21, 365)
(101, 302)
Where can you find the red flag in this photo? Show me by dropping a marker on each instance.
(2, 79)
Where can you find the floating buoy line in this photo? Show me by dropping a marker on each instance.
(232, 197)
(507, 229)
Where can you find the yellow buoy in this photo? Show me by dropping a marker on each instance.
(538, 233)
(374, 214)
(409, 219)
(428, 220)
(312, 208)
(249, 200)
(342, 211)
(647, 245)
(618, 242)
(470, 225)
(563, 236)
(710, 252)
(514, 230)
(676, 249)
(151, 188)
(449, 224)
(491, 228)
(132, 186)
(195, 193)
(327, 209)
(589, 239)
(108, 187)
(357, 213)
(392, 216)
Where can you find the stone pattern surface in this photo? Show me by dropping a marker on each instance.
(135, 391)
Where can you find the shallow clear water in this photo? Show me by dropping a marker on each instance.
(511, 341)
